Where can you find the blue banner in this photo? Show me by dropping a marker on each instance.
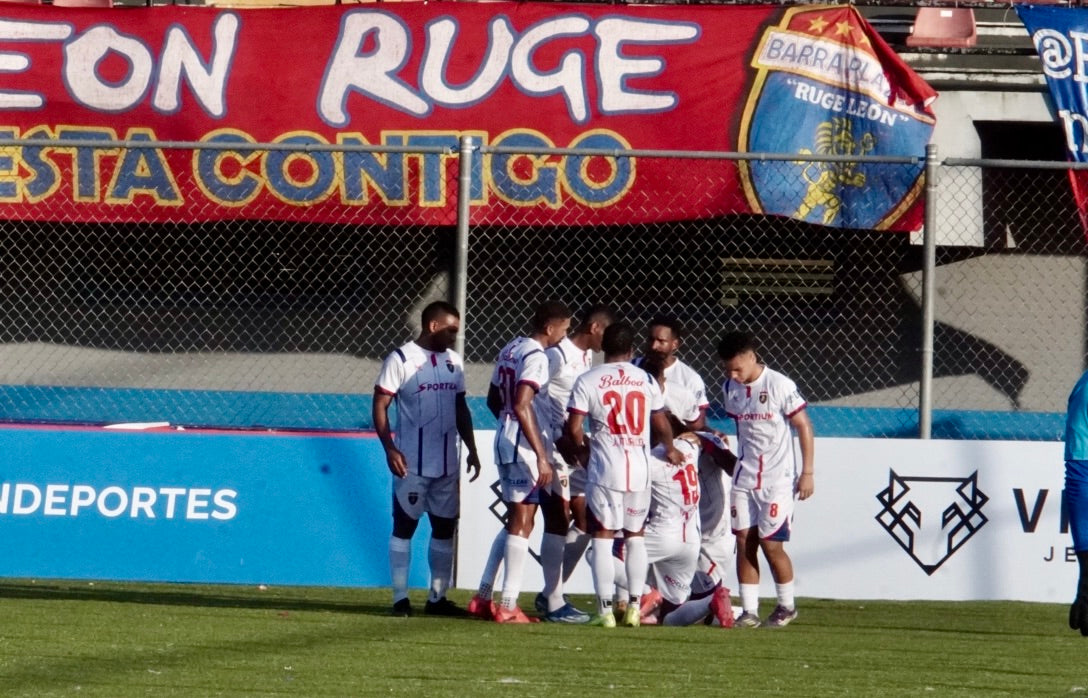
(198, 506)
(1060, 35)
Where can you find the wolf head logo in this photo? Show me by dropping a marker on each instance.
(931, 517)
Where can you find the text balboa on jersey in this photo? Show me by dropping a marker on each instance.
(194, 504)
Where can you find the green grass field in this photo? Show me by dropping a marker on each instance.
(107, 639)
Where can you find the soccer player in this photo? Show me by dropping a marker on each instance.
(764, 404)
(563, 542)
(427, 380)
(717, 554)
(524, 441)
(666, 335)
(624, 405)
(1076, 495)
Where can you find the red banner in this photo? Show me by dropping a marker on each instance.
(517, 75)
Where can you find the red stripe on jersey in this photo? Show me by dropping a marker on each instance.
(531, 384)
(803, 406)
(748, 388)
(434, 359)
(575, 410)
(627, 464)
(759, 474)
(382, 391)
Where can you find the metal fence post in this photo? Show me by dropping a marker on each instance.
(464, 200)
(929, 264)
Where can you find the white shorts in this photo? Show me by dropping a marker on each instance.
(518, 483)
(615, 510)
(438, 496)
(560, 484)
(718, 556)
(672, 565)
(770, 509)
(579, 481)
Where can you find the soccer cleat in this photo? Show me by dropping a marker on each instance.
(605, 620)
(632, 617)
(567, 614)
(781, 616)
(649, 603)
(540, 603)
(479, 607)
(722, 607)
(510, 615)
(402, 608)
(443, 607)
(747, 620)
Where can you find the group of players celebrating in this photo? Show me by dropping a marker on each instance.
(617, 456)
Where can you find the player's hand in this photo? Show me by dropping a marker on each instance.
(806, 485)
(673, 455)
(1078, 615)
(545, 477)
(473, 466)
(395, 460)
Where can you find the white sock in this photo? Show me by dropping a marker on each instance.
(749, 598)
(619, 572)
(637, 567)
(551, 562)
(491, 569)
(400, 554)
(516, 550)
(440, 557)
(785, 594)
(690, 612)
(577, 541)
(604, 574)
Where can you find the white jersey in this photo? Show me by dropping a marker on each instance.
(522, 361)
(566, 362)
(680, 402)
(715, 488)
(425, 385)
(680, 373)
(618, 398)
(675, 495)
(761, 410)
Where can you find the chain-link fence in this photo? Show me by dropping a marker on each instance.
(248, 319)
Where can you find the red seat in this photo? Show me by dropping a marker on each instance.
(943, 27)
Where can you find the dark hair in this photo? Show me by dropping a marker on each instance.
(669, 321)
(736, 343)
(435, 310)
(595, 313)
(547, 313)
(618, 339)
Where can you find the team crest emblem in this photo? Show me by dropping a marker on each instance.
(449, 365)
(819, 71)
(931, 517)
(413, 497)
(763, 397)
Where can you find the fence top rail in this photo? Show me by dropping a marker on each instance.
(704, 155)
(1015, 164)
(221, 145)
(67, 143)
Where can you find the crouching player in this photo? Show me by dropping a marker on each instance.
(673, 542)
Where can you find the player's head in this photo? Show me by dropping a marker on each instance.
(737, 352)
(550, 322)
(618, 342)
(592, 323)
(654, 364)
(440, 322)
(664, 337)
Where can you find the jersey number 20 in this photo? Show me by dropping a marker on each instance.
(626, 413)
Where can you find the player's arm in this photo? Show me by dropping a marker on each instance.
(699, 423)
(468, 436)
(526, 416)
(805, 435)
(494, 399)
(659, 423)
(380, 415)
(575, 431)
